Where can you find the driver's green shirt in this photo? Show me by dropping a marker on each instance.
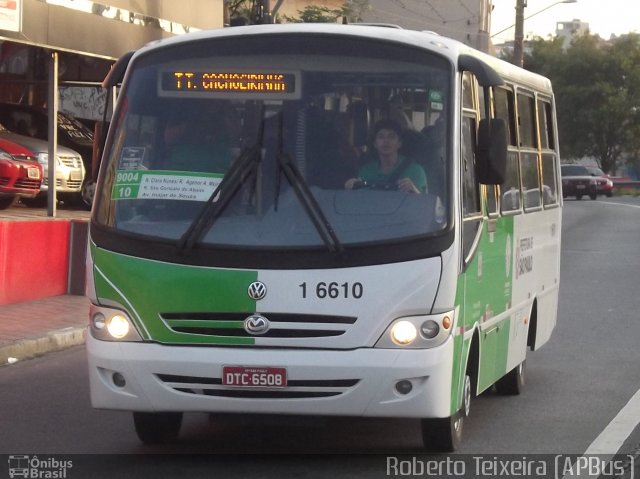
(370, 172)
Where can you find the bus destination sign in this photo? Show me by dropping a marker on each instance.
(229, 82)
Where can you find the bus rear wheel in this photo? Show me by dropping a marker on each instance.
(157, 428)
(445, 434)
(512, 383)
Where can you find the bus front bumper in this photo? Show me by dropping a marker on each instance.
(362, 382)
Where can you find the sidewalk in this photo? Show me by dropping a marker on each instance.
(36, 327)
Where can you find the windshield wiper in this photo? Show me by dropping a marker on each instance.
(243, 168)
(304, 195)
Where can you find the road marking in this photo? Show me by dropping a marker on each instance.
(611, 439)
(618, 204)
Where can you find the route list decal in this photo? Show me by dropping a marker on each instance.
(164, 185)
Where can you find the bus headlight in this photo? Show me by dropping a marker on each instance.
(109, 324)
(417, 332)
(403, 333)
(118, 326)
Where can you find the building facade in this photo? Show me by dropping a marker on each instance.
(569, 30)
(467, 21)
(87, 37)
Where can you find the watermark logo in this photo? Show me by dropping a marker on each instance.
(535, 466)
(33, 467)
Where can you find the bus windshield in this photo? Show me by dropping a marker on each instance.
(254, 144)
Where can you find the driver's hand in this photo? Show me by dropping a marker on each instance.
(406, 185)
(351, 182)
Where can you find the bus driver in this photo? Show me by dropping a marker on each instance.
(391, 170)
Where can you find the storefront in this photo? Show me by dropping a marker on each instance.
(67, 47)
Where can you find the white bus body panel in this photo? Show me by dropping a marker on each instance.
(377, 371)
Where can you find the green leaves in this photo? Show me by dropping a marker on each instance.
(597, 88)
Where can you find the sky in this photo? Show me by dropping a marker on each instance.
(605, 17)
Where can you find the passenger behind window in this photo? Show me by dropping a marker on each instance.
(432, 156)
(389, 169)
(330, 157)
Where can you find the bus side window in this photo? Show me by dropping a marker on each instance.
(549, 157)
(504, 107)
(472, 216)
(529, 151)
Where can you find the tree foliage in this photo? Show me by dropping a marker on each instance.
(597, 88)
(352, 10)
(316, 14)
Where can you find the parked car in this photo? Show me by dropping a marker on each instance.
(577, 181)
(69, 168)
(20, 173)
(33, 121)
(604, 185)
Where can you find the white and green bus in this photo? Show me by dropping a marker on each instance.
(231, 271)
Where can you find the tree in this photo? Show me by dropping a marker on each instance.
(597, 88)
(351, 10)
(316, 14)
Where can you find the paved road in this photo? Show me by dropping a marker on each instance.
(576, 385)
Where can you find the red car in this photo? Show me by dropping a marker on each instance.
(20, 173)
(604, 185)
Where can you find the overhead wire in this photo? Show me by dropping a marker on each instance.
(398, 11)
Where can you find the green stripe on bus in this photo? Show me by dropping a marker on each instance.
(153, 288)
(485, 290)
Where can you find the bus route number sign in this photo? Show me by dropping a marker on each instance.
(254, 377)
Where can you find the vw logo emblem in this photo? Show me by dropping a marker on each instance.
(257, 290)
(256, 324)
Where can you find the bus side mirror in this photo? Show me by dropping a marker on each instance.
(492, 151)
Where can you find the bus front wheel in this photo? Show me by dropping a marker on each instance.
(445, 434)
(157, 428)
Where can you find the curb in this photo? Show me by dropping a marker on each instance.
(52, 341)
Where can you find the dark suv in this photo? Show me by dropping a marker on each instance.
(33, 121)
(577, 181)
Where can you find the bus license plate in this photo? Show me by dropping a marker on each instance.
(254, 377)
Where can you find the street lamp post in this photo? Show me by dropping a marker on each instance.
(518, 47)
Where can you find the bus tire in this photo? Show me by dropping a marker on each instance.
(157, 428)
(512, 383)
(445, 434)
(593, 196)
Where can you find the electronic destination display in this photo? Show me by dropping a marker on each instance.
(258, 84)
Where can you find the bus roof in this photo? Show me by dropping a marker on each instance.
(447, 47)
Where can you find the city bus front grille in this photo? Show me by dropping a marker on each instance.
(296, 389)
(282, 325)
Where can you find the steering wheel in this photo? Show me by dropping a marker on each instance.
(372, 185)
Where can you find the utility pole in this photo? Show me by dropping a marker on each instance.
(518, 40)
